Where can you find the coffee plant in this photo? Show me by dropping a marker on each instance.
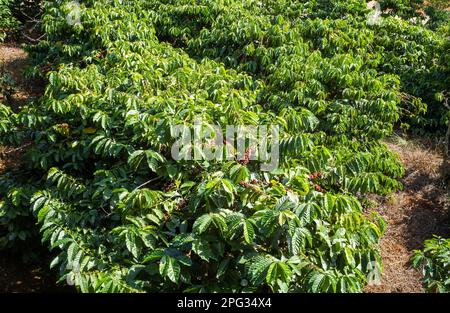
(435, 263)
(278, 34)
(122, 215)
(7, 20)
(19, 18)
(7, 86)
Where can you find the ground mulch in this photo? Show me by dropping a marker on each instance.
(413, 215)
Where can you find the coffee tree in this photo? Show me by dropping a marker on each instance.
(123, 215)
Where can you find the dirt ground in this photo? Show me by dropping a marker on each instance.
(13, 61)
(19, 277)
(413, 215)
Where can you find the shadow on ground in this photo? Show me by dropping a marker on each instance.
(413, 215)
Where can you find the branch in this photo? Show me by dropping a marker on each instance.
(447, 135)
(34, 39)
(147, 182)
(18, 149)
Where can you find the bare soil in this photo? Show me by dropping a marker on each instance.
(13, 61)
(413, 215)
(19, 277)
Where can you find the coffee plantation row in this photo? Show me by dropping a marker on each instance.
(122, 215)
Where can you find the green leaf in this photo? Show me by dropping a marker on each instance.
(278, 270)
(222, 268)
(203, 250)
(315, 280)
(249, 233)
(170, 268)
(202, 224)
(258, 267)
(154, 255)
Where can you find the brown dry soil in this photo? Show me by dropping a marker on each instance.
(13, 61)
(412, 215)
(19, 277)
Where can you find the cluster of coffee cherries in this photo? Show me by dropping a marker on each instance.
(314, 176)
